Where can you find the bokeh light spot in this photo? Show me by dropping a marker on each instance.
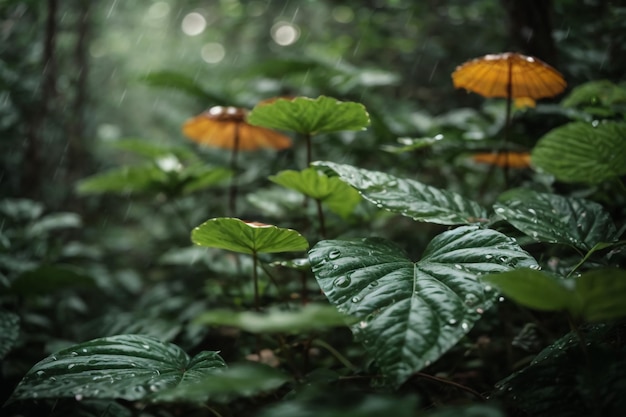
(158, 10)
(213, 52)
(193, 24)
(343, 14)
(285, 33)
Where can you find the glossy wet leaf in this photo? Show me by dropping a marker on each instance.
(308, 318)
(239, 380)
(598, 97)
(409, 197)
(411, 313)
(582, 152)
(556, 219)
(563, 381)
(49, 278)
(129, 367)
(334, 193)
(9, 331)
(310, 116)
(247, 237)
(602, 292)
(534, 289)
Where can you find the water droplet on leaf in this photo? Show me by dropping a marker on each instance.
(342, 282)
(334, 254)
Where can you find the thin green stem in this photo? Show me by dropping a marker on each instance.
(335, 353)
(452, 383)
(255, 279)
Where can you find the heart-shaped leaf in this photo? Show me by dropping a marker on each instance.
(556, 219)
(411, 313)
(408, 197)
(309, 317)
(130, 367)
(334, 193)
(583, 152)
(247, 237)
(310, 116)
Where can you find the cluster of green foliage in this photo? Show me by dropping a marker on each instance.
(373, 268)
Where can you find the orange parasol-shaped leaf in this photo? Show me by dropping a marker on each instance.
(504, 159)
(226, 127)
(509, 75)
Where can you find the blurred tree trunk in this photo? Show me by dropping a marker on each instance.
(530, 28)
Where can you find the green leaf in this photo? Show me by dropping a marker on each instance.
(412, 313)
(47, 279)
(596, 96)
(247, 237)
(582, 152)
(602, 292)
(472, 410)
(239, 380)
(52, 222)
(152, 150)
(124, 180)
(562, 381)
(556, 219)
(310, 116)
(534, 289)
(308, 318)
(198, 178)
(184, 83)
(408, 197)
(9, 331)
(410, 144)
(129, 367)
(334, 193)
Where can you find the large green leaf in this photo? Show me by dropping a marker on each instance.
(247, 237)
(595, 296)
(130, 367)
(583, 152)
(556, 219)
(534, 289)
(565, 381)
(408, 197)
(245, 379)
(9, 331)
(309, 317)
(412, 313)
(334, 193)
(310, 116)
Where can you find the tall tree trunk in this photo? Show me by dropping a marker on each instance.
(530, 28)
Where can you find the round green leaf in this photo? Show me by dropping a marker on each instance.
(334, 193)
(583, 152)
(247, 237)
(556, 219)
(408, 197)
(603, 294)
(309, 317)
(310, 116)
(411, 313)
(129, 367)
(534, 289)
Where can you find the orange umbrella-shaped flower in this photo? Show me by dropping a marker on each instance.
(226, 128)
(509, 75)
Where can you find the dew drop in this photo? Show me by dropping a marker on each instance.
(74, 353)
(334, 254)
(335, 266)
(501, 299)
(464, 326)
(356, 299)
(71, 365)
(54, 358)
(535, 267)
(40, 373)
(452, 322)
(362, 324)
(78, 397)
(488, 288)
(83, 350)
(457, 266)
(52, 379)
(480, 310)
(471, 299)
(427, 363)
(146, 347)
(342, 282)
(488, 256)
(154, 387)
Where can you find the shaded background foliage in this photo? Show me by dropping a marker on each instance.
(77, 77)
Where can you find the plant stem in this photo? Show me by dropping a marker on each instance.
(255, 279)
(320, 216)
(232, 199)
(452, 383)
(335, 353)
